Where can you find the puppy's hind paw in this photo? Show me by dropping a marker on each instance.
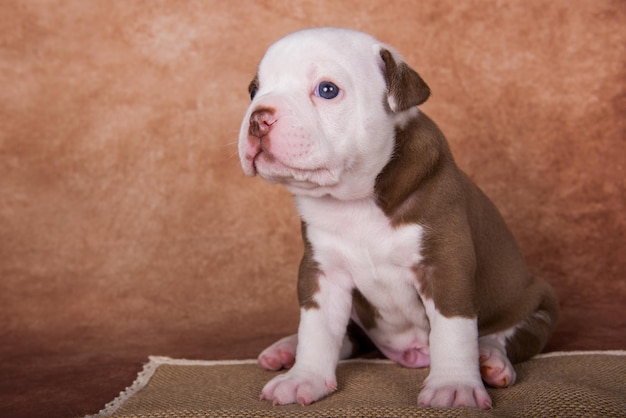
(280, 355)
(496, 368)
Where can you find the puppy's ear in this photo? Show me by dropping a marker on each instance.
(405, 87)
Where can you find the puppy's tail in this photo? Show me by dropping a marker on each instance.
(532, 335)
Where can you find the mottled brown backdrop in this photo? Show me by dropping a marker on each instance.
(126, 225)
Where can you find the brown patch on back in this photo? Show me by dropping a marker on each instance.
(421, 185)
(366, 312)
(308, 275)
(472, 265)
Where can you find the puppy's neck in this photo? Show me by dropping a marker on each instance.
(420, 153)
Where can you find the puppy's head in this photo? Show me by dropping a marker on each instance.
(325, 106)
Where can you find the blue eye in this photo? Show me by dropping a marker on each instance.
(327, 90)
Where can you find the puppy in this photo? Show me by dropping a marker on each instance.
(398, 241)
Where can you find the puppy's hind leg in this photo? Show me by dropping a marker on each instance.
(282, 354)
(532, 334)
(496, 369)
(499, 350)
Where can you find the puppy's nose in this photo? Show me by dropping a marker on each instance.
(261, 122)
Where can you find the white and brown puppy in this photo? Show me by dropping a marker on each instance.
(397, 239)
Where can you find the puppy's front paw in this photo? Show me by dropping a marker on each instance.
(297, 387)
(441, 393)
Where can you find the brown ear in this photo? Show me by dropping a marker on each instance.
(406, 87)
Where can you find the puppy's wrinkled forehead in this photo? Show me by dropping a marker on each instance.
(318, 53)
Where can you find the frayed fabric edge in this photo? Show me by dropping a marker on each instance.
(144, 376)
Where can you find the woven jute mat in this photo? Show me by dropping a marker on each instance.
(567, 384)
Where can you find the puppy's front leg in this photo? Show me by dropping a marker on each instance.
(323, 322)
(454, 379)
(447, 288)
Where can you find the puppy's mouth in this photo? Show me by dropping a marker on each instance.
(273, 170)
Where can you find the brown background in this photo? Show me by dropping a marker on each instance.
(126, 225)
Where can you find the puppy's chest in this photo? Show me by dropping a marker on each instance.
(356, 243)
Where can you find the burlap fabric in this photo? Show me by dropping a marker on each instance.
(555, 385)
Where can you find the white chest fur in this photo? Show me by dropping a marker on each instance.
(357, 247)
